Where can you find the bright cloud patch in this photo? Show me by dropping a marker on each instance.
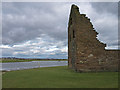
(37, 48)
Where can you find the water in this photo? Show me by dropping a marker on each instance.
(33, 64)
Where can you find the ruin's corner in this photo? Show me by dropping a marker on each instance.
(85, 52)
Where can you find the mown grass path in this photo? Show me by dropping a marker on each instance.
(58, 77)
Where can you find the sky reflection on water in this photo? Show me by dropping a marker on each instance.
(32, 64)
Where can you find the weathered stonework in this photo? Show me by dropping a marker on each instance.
(85, 52)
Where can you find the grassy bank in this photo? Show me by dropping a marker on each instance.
(58, 77)
(28, 60)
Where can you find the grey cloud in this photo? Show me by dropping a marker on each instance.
(105, 7)
(26, 21)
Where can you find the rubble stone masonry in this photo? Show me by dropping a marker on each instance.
(85, 52)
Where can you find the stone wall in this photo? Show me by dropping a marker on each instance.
(85, 52)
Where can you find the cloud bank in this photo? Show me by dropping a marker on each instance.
(40, 29)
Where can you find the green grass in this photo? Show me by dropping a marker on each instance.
(28, 60)
(58, 77)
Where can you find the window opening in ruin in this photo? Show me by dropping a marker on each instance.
(73, 34)
(70, 38)
(71, 21)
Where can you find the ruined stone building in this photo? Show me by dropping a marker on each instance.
(85, 52)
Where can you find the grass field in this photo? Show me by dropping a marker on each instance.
(58, 77)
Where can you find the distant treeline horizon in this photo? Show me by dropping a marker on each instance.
(33, 58)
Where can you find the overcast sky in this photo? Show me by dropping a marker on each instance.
(39, 30)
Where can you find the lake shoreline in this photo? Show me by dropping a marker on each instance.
(29, 60)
